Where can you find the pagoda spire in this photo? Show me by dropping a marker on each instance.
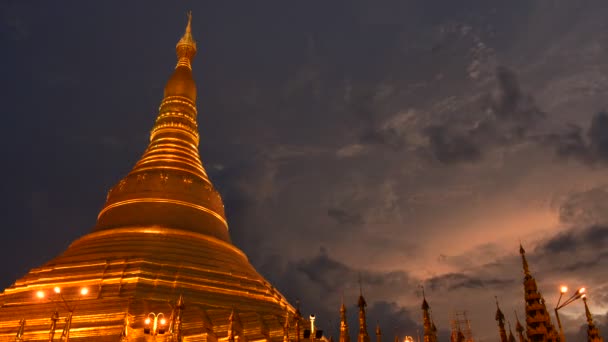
(520, 330)
(344, 335)
(430, 331)
(511, 336)
(363, 335)
(500, 318)
(169, 187)
(178, 313)
(297, 320)
(286, 327)
(593, 333)
(538, 321)
(378, 333)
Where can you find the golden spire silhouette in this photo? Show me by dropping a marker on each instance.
(286, 327)
(430, 331)
(363, 335)
(520, 329)
(297, 320)
(538, 321)
(344, 335)
(378, 332)
(511, 336)
(500, 318)
(593, 333)
(168, 186)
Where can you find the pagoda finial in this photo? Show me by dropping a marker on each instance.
(524, 261)
(186, 47)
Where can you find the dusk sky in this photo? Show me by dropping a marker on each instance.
(409, 142)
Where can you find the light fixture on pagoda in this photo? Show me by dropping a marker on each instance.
(155, 324)
(70, 305)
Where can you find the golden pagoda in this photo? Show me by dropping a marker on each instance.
(363, 335)
(593, 333)
(159, 264)
(538, 321)
(344, 335)
(430, 331)
(500, 318)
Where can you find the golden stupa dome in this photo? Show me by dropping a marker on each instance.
(161, 245)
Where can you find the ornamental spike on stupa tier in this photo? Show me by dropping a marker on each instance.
(344, 334)
(538, 321)
(430, 332)
(593, 333)
(511, 337)
(520, 329)
(500, 318)
(297, 320)
(363, 335)
(378, 332)
(286, 327)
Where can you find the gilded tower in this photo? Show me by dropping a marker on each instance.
(160, 260)
(363, 335)
(593, 333)
(500, 318)
(430, 332)
(538, 321)
(344, 335)
(520, 330)
(511, 337)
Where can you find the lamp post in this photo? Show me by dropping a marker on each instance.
(65, 335)
(576, 295)
(155, 324)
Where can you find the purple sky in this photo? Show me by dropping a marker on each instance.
(412, 142)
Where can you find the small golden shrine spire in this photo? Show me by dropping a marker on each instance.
(520, 330)
(344, 335)
(430, 331)
(378, 332)
(286, 326)
(538, 321)
(363, 335)
(297, 320)
(511, 336)
(500, 318)
(593, 333)
(19, 336)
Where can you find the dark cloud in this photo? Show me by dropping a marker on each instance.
(590, 148)
(508, 114)
(449, 146)
(457, 281)
(592, 238)
(344, 217)
(320, 283)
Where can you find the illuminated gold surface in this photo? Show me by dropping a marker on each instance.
(538, 321)
(161, 235)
